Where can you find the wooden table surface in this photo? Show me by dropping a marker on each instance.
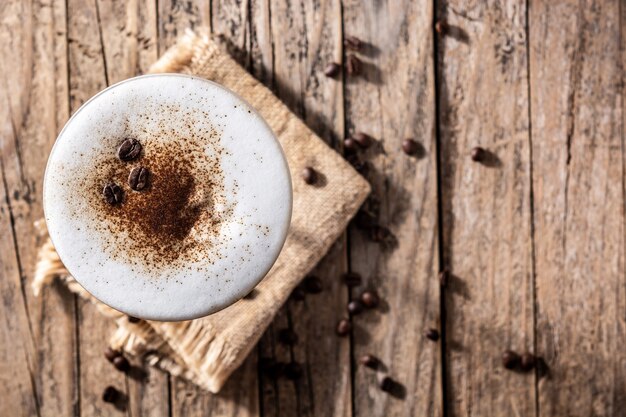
(534, 237)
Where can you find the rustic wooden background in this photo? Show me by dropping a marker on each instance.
(535, 242)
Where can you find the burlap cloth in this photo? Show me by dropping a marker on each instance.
(207, 350)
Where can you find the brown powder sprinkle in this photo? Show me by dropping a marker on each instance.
(174, 217)
(166, 214)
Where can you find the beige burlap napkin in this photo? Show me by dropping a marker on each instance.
(207, 350)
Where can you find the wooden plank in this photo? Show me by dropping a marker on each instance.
(325, 388)
(272, 356)
(230, 22)
(35, 107)
(95, 372)
(393, 99)
(129, 37)
(17, 353)
(88, 75)
(175, 16)
(486, 206)
(307, 36)
(238, 397)
(261, 55)
(578, 177)
(149, 396)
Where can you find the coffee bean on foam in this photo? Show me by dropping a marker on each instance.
(208, 224)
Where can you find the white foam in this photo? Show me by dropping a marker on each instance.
(236, 239)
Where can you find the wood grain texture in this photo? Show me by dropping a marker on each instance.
(486, 206)
(278, 395)
(34, 97)
(230, 22)
(261, 50)
(149, 395)
(129, 36)
(175, 16)
(238, 398)
(578, 173)
(306, 36)
(393, 99)
(325, 388)
(96, 373)
(17, 356)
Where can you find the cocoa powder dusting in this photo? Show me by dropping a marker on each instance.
(169, 216)
(164, 212)
(173, 218)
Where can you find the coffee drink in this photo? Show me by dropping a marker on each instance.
(167, 197)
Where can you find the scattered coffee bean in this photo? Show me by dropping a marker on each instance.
(410, 147)
(355, 307)
(385, 383)
(309, 175)
(478, 154)
(138, 178)
(129, 150)
(132, 319)
(441, 26)
(510, 359)
(444, 277)
(379, 234)
(362, 139)
(352, 279)
(293, 371)
(313, 285)
(353, 65)
(111, 353)
(343, 327)
(350, 144)
(432, 334)
(121, 363)
(527, 362)
(110, 394)
(287, 337)
(391, 387)
(370, 361)
(352, 42)
(298, 293)
(370, 299)
(332, 69)
(113, 194)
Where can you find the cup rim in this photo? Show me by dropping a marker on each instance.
(253, 283)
